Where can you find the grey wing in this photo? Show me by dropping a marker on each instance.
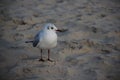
(36, 39)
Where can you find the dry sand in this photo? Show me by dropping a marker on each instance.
(89, 50)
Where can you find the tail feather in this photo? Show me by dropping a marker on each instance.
(28, 41)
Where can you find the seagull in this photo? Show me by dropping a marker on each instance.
(46, 39)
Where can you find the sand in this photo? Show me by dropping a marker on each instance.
(89, 50)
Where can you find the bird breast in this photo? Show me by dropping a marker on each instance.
(49, 40)
(51, 37)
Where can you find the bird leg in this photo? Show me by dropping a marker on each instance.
(41, 59)
(49, 56)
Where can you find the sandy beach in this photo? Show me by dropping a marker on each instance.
(88, 50)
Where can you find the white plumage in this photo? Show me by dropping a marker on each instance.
(45, 39)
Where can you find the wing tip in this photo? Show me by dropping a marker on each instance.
(35, 43)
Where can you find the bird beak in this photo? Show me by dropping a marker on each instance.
(59, 30)
(62, 30)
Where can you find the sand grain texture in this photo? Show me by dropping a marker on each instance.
(89, 50)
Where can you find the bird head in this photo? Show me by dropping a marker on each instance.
(51, 27)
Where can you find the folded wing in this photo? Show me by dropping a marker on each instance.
(36, 39)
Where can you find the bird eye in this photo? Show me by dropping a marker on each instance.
(51, 27)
